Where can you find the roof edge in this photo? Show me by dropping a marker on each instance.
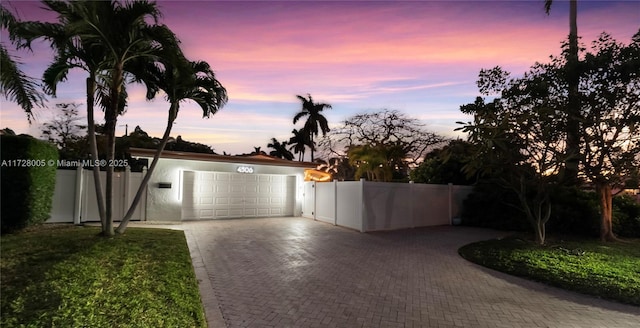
(262, 160)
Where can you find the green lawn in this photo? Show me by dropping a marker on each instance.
(69, 277)
(607, 270)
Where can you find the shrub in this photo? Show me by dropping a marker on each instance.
(488, 207)
(626, 216)
(28, 181)
(575, 211)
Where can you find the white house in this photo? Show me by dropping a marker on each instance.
(192, 186)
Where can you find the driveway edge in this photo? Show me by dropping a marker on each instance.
(207, 296)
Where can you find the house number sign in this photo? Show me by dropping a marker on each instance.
(245, 169)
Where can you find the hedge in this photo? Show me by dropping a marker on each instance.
(574, 212)
(28, 181)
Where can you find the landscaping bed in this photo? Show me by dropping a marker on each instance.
(67, 276)
(607, 270)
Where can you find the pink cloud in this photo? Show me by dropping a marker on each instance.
(350, 54)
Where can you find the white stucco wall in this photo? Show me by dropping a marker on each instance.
(165, 204)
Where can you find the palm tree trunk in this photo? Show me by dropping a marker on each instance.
(93, 147)
(573, 106)
(111, 118)
(110, 125)
(312, 144)
(173, 113)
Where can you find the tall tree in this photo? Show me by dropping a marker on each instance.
(445, 165)
(299, 142)
(377, 163)
(382, 128)
(610, 90)
(517, 146)
(66, 132)
(15, 85)
(572, 76)
(280, 149)
(72, 51)
(109, 39)
(316, 122)
(522, 131)
(180, 80)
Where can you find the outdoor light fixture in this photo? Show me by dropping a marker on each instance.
(164, 185)
(245, 169)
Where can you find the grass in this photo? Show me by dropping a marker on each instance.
(607, 270)
(70, 277)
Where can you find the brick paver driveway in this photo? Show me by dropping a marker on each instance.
(295, 272)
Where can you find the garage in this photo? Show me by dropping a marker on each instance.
(194, 186)
(224, 195)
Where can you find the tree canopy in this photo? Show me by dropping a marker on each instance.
(521, 135)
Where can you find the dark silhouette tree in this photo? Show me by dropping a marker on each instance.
(66, 132)
(179, 80)
(382, 128)
(280, 149)
(110, 40)
(445, 165)
(299, 142)
(316, 122)
(15, 85)
(572, 76)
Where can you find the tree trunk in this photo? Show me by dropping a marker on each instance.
(110, 126)
(312, 146)
(573, 106)
(606, 199)
(111, 118)
(173, 113)
(93, 147)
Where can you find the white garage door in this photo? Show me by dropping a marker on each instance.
(221, 195)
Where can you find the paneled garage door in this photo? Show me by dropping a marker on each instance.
(221, 195)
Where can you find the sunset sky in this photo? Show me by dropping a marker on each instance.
(419, 57)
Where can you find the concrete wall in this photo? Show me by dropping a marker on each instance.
(166, 204)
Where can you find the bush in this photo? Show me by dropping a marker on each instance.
(577, 212)
(626, 216)
(28, 181)
(574, 211)
(488, 207)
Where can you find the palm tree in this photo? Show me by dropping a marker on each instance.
(109, 39)
(280, 149)
(180, 80)
(72, 52)
(14, 84)
(369, 162)
(573, 106)
(299, 142)
(379, 162)
(315, 119)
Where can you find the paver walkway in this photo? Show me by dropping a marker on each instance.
(296, 272)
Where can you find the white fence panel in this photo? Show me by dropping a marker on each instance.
(309, 199)
(387, 206)
(430, 205)
(458, 195)
(349, 204)
(75, 196)
(135, 178)
(64, 197)
(326, 202)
